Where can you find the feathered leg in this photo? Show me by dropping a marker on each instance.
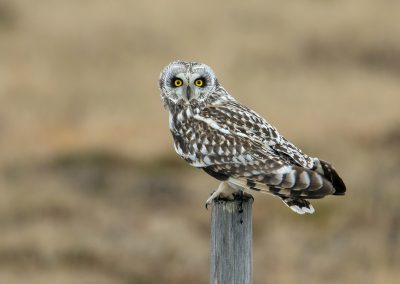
(224, 191)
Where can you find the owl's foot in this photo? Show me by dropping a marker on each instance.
(224, 191)
(242, 195)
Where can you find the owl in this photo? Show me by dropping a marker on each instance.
(229, 141)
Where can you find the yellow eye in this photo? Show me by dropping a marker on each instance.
(178, 82)
(199, 82)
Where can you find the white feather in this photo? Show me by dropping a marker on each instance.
(283, 170)
(203, 150)
(212, 124)
(171, 121)
(207, 160)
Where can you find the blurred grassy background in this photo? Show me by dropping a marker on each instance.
(91, 189)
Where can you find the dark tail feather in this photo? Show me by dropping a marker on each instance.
(331, 175)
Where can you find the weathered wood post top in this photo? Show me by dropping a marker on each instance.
(231, 241)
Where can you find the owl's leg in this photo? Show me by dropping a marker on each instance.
(224, 191)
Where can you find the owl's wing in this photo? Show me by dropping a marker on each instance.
(231, 148)
(240, 119)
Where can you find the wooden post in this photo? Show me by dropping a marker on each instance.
(231, 242)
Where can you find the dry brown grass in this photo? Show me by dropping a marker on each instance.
(91, 189)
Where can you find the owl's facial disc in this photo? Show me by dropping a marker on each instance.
(187, 82)
(188, 86)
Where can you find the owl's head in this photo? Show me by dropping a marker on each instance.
(186, 83)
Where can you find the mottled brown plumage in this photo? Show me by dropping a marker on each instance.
(232, 143)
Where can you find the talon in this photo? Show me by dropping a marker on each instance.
(246, 196)
(249, 196)
(210, 199)
(223, 192)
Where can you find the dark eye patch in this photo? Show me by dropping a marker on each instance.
(200, 82)
(176, 82)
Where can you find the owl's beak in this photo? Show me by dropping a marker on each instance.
(188, 93)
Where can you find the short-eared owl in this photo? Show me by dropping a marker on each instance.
(214, 132)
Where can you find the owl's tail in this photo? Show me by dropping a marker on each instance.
(329, 172)
(295, 182)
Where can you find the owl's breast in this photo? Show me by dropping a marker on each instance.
(182, 131)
